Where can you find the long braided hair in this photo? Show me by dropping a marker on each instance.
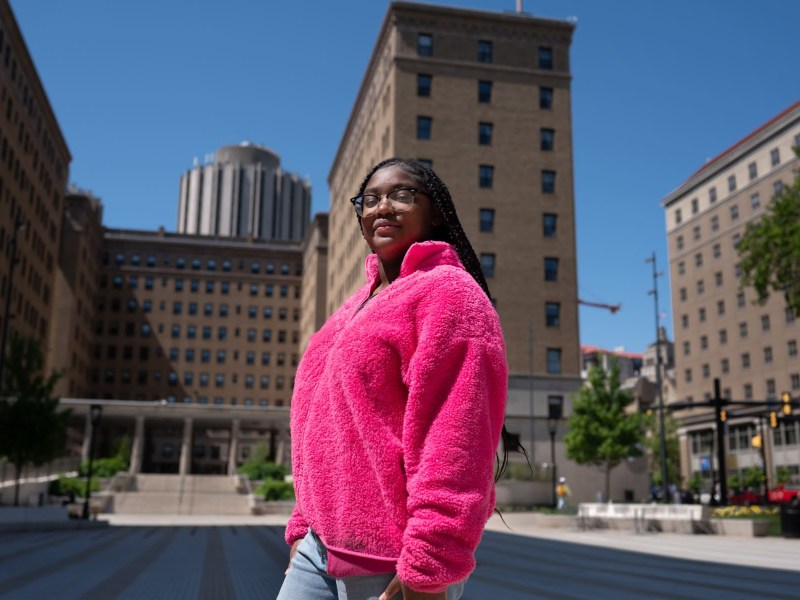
(449, 231)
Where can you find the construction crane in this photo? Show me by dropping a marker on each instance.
(612, 308)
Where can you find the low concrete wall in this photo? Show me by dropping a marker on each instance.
(740, 527)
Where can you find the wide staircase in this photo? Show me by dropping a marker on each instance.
(181, 495)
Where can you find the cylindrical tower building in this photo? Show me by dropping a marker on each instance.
(242, 193)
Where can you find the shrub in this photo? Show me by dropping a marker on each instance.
(258, 470)
(63, 486)
(276, 490)
(105, 467)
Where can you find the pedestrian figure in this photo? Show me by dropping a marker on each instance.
(562, 493)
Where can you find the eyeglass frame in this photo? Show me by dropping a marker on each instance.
(380, 197)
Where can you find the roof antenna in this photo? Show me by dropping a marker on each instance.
(519, 7)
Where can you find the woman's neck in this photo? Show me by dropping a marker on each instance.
(388, 272)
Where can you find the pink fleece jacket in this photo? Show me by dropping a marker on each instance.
(395, 419)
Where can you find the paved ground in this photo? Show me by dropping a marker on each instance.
(241, 558)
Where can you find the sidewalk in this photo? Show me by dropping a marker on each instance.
(767, 552)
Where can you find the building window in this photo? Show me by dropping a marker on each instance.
(424, 44)
(712, 195)
(485, 176)
(743, 330)
(698, 259)
(678, 216)
(718, 278)
(687, 348)
(701, 315)
(549, 223)
(723, 336)
(545, 98)
(768, 354)
(791, 348)
(546, 139)
(775, 157)
(424, 125)
(740, 300)
(715, 223)
(679, 242)
(550, 269)
(696, 232)
(487, 265)
(554, 360)
(748, 391)
(700, 287)
(552, 313)
(734, 212)
(545, 57)
(487, 220)
(484, 91)
(548, 182)
(685, 321)
(720, 307)
(484, 51)
(424, 85)
(687, 375)
(764, 322)
(485, 134)
(732, 183)
(681, 268)
(682, 294)
(771, 387)
(752, 170)
(695, 206)
(777, 187)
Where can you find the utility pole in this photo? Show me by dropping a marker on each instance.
(659, 386)
(723, 479)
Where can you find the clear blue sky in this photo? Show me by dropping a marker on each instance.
(141, 88)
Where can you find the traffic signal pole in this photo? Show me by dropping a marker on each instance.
(721, 463)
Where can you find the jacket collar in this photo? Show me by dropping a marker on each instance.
(421, 256)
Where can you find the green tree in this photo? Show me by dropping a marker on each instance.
(601, 431)
(32, 428)
(652, 442)
(770, 248)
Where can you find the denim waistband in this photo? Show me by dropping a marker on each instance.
(323, 551)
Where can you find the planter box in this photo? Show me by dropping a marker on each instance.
(740, 527)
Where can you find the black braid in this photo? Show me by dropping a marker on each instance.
(449, 231)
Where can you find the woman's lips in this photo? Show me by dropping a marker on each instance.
(383, 227)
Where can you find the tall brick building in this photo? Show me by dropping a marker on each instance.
(483, 97)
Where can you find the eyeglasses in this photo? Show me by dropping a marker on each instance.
(400, 200)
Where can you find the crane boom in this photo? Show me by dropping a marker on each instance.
(612, 308)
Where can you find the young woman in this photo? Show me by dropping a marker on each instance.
(398, 408)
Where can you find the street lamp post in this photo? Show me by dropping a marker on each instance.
(95, 412)
(659, 385)
(555, 408)
(19, 225)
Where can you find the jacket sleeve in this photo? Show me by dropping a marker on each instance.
(296, 527)
(457, 385)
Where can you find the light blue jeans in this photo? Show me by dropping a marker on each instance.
(308, 579)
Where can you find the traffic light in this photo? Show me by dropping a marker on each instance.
(773, 419)
(756, 441)
(786, 400)
(723, 415)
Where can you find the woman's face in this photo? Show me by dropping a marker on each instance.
(390, 233)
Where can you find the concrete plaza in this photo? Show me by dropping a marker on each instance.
(151, 557)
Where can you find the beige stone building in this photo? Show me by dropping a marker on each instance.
(314, 288)
(485, 99)
(720, 329)
(34, 167)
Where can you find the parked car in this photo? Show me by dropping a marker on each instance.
(745, 497)
(784, 493)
